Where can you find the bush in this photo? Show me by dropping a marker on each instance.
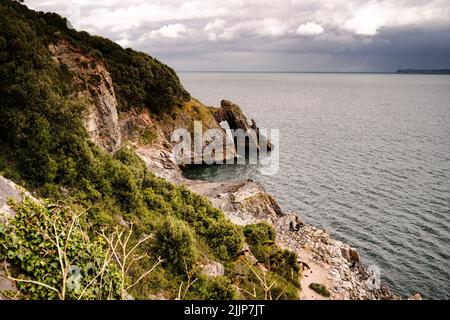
(175, 243)
(260, 238)
(219, 288)
(259, 234)
(320, 289)
(224, 239)
(123, 183)
(29, 243)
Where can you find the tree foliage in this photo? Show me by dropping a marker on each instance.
(45, 147)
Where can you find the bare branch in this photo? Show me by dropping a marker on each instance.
(30, 281)
(118, 246)
(145, 274)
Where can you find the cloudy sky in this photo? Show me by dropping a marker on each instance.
(271, 35)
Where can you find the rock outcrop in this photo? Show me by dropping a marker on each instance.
(244, 202)
(232, 114)
(198, 119)
(323, 259)
(8, 190)
(213, 269)
(93, 83)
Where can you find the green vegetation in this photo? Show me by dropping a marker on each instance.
(140, 81)
(175, 242)
(36, 241)
(44, 147)
(261, 239)
(257, 283)
(148, 136)
(320, 289)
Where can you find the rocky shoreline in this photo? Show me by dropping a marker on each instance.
(324, 259)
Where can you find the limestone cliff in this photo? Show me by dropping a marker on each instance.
(92, 82)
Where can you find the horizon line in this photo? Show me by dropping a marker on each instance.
(281, 71)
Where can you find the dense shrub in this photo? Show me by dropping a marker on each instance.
(320, 289)
(38, 124)
(225, 239)
(219, 288)
(259, 234)
(221, 235)
(260, 238)
(30, 242)
(175, 243)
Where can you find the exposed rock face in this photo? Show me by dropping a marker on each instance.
(7, 287)
(233, 115)
(323, 259)
(159, 161)
(134, 123)
(244, 202)
(198, 119)
(93, 83)
(417, 296)
(213, 269)
(8, 190)
(149, 141)
(350, 254)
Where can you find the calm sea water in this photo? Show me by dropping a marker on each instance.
(364, 156)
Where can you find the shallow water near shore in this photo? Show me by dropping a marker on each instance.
(364, 156)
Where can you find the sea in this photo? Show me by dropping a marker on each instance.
(364, 156)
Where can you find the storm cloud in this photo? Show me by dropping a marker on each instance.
(262, 35)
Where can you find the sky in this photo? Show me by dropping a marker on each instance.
(271, 35)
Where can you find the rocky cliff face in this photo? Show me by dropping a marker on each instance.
(8, 190)
(323, 259)
(93, 83)
(186, 116)
(235, 118)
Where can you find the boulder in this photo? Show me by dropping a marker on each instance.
(354, 255)
(350, 254)
(10, 190)
(213, 269)
(8, 288)
(416, 296)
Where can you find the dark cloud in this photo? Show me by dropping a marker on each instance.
(288, 35)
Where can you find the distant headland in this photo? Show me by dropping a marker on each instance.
(423, 71)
